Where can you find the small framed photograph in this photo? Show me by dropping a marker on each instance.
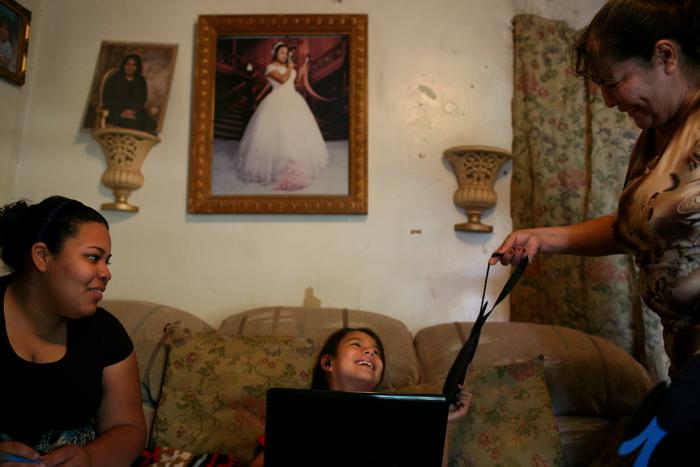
(130, 87)
(279, 118)
(14, 40)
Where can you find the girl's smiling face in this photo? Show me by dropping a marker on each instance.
(357, 366)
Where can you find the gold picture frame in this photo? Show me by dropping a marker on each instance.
(14, 41)
(235, 57)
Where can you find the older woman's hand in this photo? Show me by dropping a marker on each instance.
(516, 246)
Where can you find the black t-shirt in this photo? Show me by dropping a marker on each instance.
(48, 404)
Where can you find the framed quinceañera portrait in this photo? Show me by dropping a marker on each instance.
(279, 123)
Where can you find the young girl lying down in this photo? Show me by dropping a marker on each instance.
(352, 359)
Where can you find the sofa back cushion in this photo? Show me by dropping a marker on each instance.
(402, 367)
(214, 390)
(145, 322)
(585, 374)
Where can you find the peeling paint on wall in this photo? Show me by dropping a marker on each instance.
(310, 301)
(449, 107)
(428, 92)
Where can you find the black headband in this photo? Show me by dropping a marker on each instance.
(49, 218)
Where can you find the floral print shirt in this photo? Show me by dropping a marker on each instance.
(658, 220)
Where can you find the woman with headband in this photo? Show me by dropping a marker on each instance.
(70, 391)
(282, 145)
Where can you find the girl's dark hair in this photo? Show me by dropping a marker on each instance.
(330, 347)
(137, 60)
(52, 221)
(625, 29)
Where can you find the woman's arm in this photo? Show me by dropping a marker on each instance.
(589, 238)
(121, 428)
(142, 95)
(111, 96)
(282, 77)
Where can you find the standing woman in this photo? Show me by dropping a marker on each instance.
(282, 144)
(70, 391)
(645, 55)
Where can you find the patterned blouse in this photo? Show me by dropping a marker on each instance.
(658, 220)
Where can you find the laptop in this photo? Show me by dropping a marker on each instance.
(306, 427)
(318, 428)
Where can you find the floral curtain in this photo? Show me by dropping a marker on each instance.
(570, 155)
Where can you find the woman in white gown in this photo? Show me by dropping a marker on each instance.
(282, 144)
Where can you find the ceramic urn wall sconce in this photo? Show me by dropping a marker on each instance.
(476, 168)
(125, 151)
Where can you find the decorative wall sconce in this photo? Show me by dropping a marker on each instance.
(476, 168)
(125, 151)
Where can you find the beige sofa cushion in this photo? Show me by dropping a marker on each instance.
(214, 391)
(585, 374)
(145, 322)
(318, 323)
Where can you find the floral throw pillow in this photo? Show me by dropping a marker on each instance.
(510, 421)
(213, 396)
(171, 457)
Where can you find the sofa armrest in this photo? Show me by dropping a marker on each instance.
(585, 374)
(145, 322)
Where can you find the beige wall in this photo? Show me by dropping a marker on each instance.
(13, 111)
(403, 259)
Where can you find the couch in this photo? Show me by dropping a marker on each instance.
(588, 385)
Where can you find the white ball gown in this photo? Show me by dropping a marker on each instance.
(282, 144)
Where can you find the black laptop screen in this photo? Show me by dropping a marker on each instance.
(337, 428)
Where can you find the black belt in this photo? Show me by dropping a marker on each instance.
(458, 371)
